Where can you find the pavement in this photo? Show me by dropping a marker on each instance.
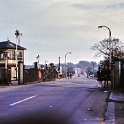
(16, 86)
(117, 97)
(115, 109)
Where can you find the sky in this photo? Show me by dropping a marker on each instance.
(51, 28)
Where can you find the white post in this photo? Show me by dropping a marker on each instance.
(65, 64)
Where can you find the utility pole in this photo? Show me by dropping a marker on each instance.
(93, 68)
(59, 64)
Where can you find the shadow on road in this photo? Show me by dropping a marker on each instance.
(38, 118)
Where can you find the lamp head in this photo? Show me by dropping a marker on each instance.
(17, 33)
(100, 26)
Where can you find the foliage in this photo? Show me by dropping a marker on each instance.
(50, 72)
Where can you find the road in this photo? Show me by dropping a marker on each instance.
(76, 101)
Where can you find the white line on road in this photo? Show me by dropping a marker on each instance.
(22, 100)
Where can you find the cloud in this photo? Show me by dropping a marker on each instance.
(50, 27)
(102, 6)
(114, 6)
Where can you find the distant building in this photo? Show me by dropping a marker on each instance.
(9, 61)
(77, 71)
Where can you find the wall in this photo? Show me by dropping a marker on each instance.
(31, 75)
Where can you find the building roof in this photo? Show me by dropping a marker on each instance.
(10, 45)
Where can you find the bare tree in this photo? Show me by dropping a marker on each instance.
(104, 47)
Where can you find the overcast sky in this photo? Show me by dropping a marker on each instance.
(53, 27)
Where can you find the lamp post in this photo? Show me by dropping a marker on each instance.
(65, 63)
(110, 50)
(17, 34)
(103, 26)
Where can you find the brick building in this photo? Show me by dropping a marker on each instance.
(11, 64)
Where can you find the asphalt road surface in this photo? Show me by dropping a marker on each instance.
(75, 101)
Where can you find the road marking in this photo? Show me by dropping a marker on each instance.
(22, 100)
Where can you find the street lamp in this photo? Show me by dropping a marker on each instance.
(65, 63)
(17, 34)
(110, 48)
(103, 26)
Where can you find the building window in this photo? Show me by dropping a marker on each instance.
(13, 55)
(9, 55)
(20, 56)
(1, 56)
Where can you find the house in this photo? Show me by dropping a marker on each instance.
(11, 62)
